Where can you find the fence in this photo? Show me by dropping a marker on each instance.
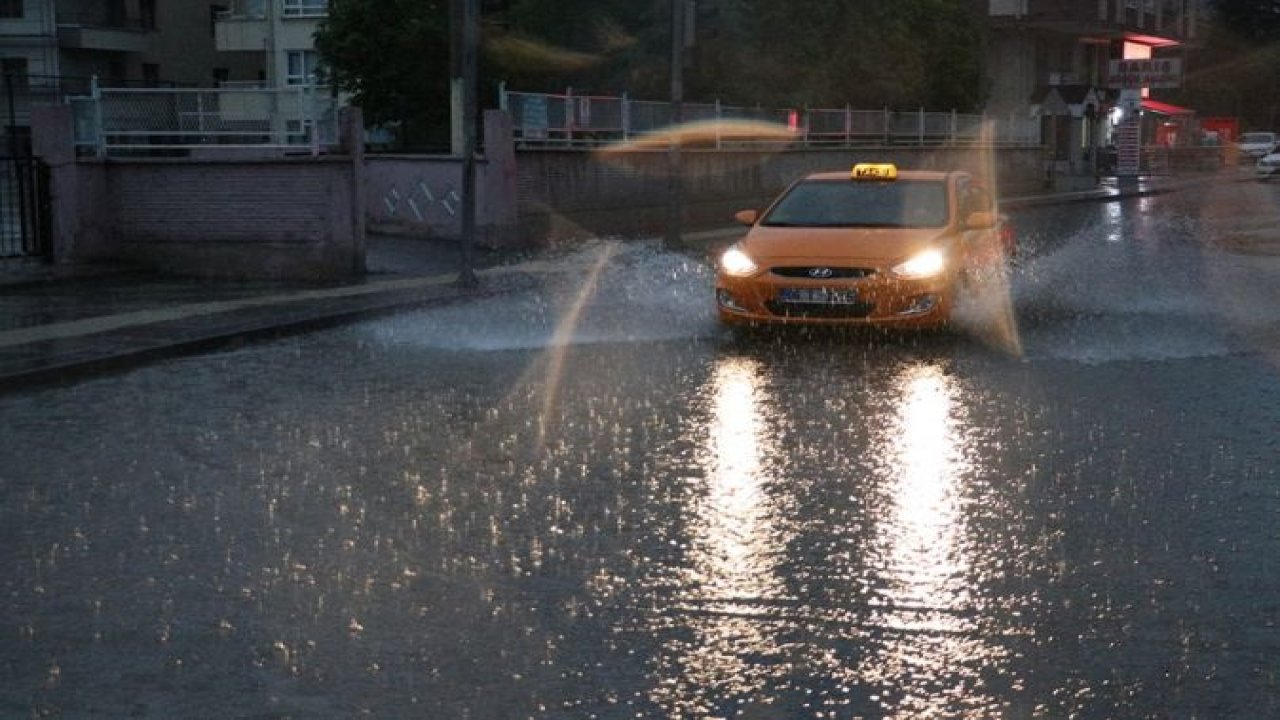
(24, 203)
(147, 120)
(569, 120)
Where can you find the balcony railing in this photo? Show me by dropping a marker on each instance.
(257, 9)
(306, 8)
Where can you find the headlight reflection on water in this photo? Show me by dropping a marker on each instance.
(888, 621)
(934, 654)
(734, 540)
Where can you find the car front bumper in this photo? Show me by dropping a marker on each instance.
(873, 301)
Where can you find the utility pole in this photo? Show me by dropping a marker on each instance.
(465, 39)
(675, 170)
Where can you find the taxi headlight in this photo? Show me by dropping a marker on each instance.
(737, 263)
(923, 265)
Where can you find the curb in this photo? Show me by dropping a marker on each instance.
(91, 355)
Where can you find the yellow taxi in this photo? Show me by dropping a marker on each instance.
(872, 246)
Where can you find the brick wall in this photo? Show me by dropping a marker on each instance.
(296, 218)
(243, 201)
(280, 218)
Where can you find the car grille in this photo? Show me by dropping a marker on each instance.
(836, 272)
(811, 310)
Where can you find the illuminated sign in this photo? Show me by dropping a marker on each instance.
(1145, 73)
(874, 171)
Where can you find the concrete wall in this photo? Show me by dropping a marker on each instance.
(298, 218)
(566, 194)
(530, 197)
(421, 195)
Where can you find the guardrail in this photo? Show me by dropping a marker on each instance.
(571, 120)
(131, 120)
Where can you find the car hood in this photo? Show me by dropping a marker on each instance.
(863, 246)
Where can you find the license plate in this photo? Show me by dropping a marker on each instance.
(818, 296)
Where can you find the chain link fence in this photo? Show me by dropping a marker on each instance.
(570, 120)
(150, 120)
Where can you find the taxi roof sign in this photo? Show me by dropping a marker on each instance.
(874, 171)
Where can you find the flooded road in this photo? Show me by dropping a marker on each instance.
(590, 501)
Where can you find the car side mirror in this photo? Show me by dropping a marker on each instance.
(747, 217)
(980, 220)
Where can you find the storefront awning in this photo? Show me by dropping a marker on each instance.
(1156, 106)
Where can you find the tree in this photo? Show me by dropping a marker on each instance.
(1237, 71)
(868, 53)
(1253, 21)
(392, 56)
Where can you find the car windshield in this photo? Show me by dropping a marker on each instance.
(1257, 138)
(841, 203)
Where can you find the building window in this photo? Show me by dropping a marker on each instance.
(220, 76)
(11, 8)
(14, 70)
(150, 74)
(306, 8)
(147, 9)
(304, 65)
(216, 11)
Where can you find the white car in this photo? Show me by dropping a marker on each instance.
(1257, 144)
(1269, 165)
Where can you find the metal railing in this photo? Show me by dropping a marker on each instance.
(572, 120)
(257, 9)
(129, 120)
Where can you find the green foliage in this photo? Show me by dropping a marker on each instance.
(866, 53)
(1237, 71)
(1253, 21)
(393, 55)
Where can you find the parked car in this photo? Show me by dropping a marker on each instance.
(1257, 144)
(1269, 165)
(874, 246)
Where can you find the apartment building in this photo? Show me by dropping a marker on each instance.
(50, 49)
(1052, 58)
(277, 35)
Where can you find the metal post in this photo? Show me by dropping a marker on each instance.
(675, 189)
(570, 116)
(100, 135)
(469, 41)
(717, 115)
(625, 120)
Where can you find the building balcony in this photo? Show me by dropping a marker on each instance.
(249, 24)
(234, 33)
(86, 31)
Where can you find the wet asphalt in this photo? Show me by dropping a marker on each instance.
(63, 324)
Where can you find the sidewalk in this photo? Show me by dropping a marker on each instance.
(55, 327)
